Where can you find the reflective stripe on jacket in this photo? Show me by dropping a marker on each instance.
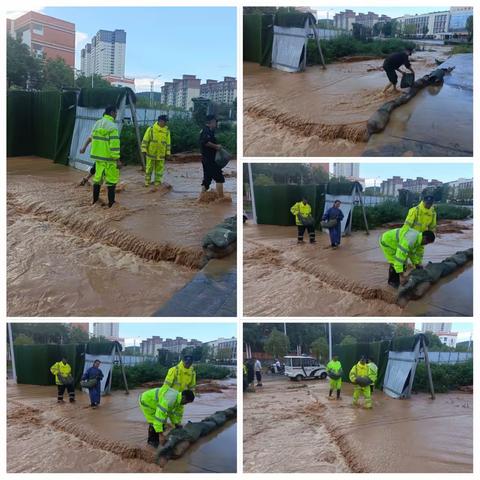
(167, 404)
(156, 142)
(300, 208)
(62, 369)
(421, 218)
(105, 140)
(402, 245)
(181, 378)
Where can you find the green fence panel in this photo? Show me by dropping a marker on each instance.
(252, 38)
(66, 125)
(19, 124)
(46, 117)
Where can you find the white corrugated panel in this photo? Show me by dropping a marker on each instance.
(288, 44)
(345, 206)
(106, 366)
(399, 366)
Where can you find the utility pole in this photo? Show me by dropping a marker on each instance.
(329, 341)
(252, 193)
(12, 353)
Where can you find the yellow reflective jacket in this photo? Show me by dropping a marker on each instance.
(421, 218)
(105, 140)
(167, 404)
(358, 370)
(372, 371)
(156, 142)
(334, 366)
(305, 210)
(62, 369)
(400, 245)
(181, 378)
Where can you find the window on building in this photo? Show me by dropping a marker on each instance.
(37, 29)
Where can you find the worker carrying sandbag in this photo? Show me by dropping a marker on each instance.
(160, 404)
(400, 244)
(359, 376)
(302, 211)
(64, 380)
(332, 219)
(335, 372)
(156, 146)
(92, 380)
(105, 151)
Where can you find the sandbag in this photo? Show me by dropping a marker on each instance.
(218, 417)
(91, 382)
(362, 381)
(66, 380)
(434, 271)
(329, 223)
(459, 258)
(307, 221)
(448, 267)
(407, 80)
(222, 235)
(222, 157)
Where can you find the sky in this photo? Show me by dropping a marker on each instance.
(166, 41)
(393, 12)
(374, 173)
(465, 330)
(134, 333)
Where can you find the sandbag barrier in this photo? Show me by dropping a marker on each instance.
(420, 280)
(379, 120)
(221, 240)
(179, 440)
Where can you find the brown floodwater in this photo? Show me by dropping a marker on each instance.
(283, 278)
(317, 112)
(396, 436)
(109, 439)
(67, 258)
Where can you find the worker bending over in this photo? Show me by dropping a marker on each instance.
(160, 404)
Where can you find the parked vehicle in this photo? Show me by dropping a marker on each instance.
(304, 368)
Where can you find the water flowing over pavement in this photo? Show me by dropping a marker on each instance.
(43, 436)
(66, 257)
(321, 112)
(289, 429)
(282, 278)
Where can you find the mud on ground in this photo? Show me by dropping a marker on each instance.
(282, 278)
(301, 430)
(67, 257)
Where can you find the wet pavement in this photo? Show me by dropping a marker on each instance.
(318, 112)
(67, 258)
(438, 121)
(109, 439)
(403, 436)
(283, 278)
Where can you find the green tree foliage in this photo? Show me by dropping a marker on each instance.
(167, 358)
(361, 32)
(86, 82)
(56, 74)
(263, 180)
(377, 29)
(402, 330)
(348, 340)
(76, 335)
(445, 376)
(23, 70)
(469, 27)
(410, 29)
(319, 348)
(277, 344)
(23, 339)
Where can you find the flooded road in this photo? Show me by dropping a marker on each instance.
(68, 258)
(283, 278)
(318, 112)
(109, 439)
(320, 435)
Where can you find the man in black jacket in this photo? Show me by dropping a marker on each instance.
(209, 148)
(392, 65)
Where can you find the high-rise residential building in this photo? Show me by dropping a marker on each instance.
(227, 347)
(150, 346)
(220, 92)
(344, 20)
(105, 55)
(46, 36)
(350, 171)
(436, 327)
(110, 331)
(180, 92)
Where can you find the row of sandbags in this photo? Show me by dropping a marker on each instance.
(379, 120)
(420, 280)
(222, 239)
(179, 440)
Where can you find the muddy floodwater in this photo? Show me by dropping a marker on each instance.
(320, 112)
(110, 439)
(282, 278)
(68, 258)
(294, 427)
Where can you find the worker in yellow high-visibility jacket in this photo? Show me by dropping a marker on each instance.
(335, 367)
(361, 369)
(398, 246)
(156, 146)
(105, 151)
(302, 211)
(63, 379)
(158, 405)
(372, 372)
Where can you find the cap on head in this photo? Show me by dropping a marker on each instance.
(210, 118)
(110, 110)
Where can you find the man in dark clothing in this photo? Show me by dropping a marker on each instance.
(334, 214)
(209, 148)
(392, 65)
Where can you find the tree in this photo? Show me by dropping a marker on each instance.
(389, 29)
(76, 335)
(23, 339)
(166, 357)
(433, 341)
(348, 340)
(361, 32)
(277, 344)
(23, 70)
(86, 82)
(377, 29)
(410, 29)
(319, 348)
(469, 27)
(264, 181)
(57, 74)
(403, 330)
(224, 354)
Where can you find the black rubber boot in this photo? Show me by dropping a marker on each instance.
(393, 277)
(96, 192)
(338, 394)
(153, 437)
(330, 393)
(111, 195)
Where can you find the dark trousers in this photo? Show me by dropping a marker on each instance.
(393, 277)
(61, 390)
(335, 234)
(259, 377)
(94, 394)
(301, 231)
(211, 172)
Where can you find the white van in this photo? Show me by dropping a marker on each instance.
(304, 368)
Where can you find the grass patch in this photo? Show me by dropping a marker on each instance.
(464, 48)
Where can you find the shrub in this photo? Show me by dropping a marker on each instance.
(445, 377)
(452, 212)
(379, 215)
(466, 48)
